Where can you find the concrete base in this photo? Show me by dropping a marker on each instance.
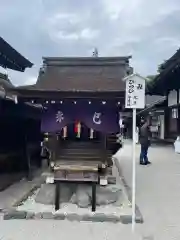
(114, 212)
(91, 217)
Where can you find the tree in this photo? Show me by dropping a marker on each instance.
(150, 81)
(161, 67)
(151, 77)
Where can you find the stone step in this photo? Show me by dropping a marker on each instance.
(76, 158)
(70, 154)
(83, 147)
(79, 145)
(74, 151)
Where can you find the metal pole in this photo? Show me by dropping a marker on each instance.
(134, 172)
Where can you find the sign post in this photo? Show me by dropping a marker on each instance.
(134, 99)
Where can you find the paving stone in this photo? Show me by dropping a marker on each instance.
(100, 217)
(47, 215)
(7, 216)
(87, 217)
(74, 217)
(126, 219)
(38, 216)
(20, 214)
(59, 216)
(112, 218)
(15, 215)
(15, 194)
(139, 219)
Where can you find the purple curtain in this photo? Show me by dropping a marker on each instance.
(55, 118)
(101, 118)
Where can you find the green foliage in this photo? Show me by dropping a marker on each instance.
(151, 77)
(150, 82)
(161, 67)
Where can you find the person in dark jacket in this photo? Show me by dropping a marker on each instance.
(144, 139)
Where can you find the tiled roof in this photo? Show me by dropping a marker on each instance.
(82, 74)
(10, 58)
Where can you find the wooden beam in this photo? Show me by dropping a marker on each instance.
(53, 95)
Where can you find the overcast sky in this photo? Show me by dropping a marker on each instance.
(149, 30)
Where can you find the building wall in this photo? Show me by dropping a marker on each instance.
(173, 117)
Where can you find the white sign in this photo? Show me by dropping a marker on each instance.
(135, 98)
(135, 92)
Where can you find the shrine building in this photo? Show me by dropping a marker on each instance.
(16, 120)
(166, 113)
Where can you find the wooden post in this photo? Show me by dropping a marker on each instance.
(166, 123)
(103, 148)
(178, 110)
(27, 159)
(178, 120)
(38, 155)
(93, 196)
(57, 196)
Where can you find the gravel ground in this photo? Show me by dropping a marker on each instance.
(31, 205)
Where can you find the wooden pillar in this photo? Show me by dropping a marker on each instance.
(103, 147)
(178, 111)
(57, 196)
(178, 122)
(166, 119)
(93, 196)
(52, 146)
(27, 158)
(39, 158)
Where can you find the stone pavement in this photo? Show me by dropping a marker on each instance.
(157, 190)
(52, 230)
(158, 198)
(16, 193)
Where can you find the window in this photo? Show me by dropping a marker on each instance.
(174, 113)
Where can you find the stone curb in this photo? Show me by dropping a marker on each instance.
(15, 215)
(126, 218)
(12, 209)
(96, 217)
(10, 214)
(26, 195)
